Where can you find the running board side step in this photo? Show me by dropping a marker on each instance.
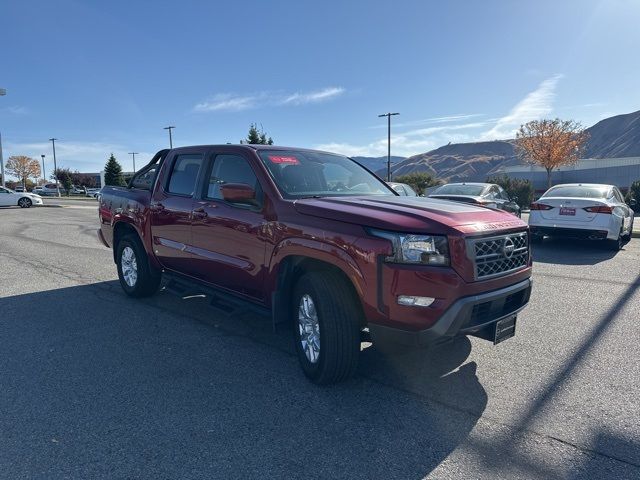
(224, 302)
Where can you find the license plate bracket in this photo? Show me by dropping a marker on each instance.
(505, 329)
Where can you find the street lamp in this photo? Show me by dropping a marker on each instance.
(170, 127)
(3, 92)
(388, 115)
(55, 165)
(44, 172)
(133, 154)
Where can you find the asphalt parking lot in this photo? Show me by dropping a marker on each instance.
(96, 385)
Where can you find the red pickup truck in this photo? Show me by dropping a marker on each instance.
(318, 242)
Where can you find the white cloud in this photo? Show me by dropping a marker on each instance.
(227, 102)
(82, 156)
(409, 142)
(533, 106)
(313, 97)
(16, 110)
(234, 103)
(436, 120)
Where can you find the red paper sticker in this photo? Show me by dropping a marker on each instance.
(287, 160)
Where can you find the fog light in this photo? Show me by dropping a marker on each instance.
(411, 301)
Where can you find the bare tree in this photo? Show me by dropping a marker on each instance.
(551, 143)
(23, 167)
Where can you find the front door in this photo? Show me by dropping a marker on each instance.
(228, 238)
(171, 207)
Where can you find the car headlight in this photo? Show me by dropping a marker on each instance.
(416, 249)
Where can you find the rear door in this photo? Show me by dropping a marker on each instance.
(171, 206)
(624, 208)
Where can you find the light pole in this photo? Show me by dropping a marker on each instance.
(133, 154)
(388, 115)
(170, 127)
(3, 92)
(55, 165)
(44, 172)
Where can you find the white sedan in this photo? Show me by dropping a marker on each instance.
(21, 199)
(582, 210)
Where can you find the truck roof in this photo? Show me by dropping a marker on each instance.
(246, 146)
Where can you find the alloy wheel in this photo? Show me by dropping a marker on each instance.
(309, 328)
(129, 266)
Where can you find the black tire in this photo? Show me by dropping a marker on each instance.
(338, 317)
(147, 278)
(616, 245)
(25, 202)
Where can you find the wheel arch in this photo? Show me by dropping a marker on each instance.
(120, 229)
(290, 266)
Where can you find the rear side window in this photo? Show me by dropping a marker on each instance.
(184, 174)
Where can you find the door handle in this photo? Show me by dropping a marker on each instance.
(199, 213)
(156, 207)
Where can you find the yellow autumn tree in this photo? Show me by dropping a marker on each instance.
(23, 167)
(551, 143)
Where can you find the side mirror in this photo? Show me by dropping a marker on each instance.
(633, 203)
(238, 193)
(514, 199)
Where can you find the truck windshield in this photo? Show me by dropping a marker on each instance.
(300, 174)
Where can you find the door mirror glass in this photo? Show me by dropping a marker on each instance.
(238, 193)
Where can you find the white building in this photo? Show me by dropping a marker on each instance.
(621, 172)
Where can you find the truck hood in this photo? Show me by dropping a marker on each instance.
(409, 214)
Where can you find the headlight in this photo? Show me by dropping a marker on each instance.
(416, 249)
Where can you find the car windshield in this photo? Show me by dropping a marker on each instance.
(454, 189)
(578, 191)
(300, 174)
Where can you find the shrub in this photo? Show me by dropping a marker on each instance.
(518, 188)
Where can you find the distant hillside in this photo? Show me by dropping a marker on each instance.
(377, 163)
(460, 161)
(612, 137)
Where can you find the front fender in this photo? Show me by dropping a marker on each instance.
(321, 251)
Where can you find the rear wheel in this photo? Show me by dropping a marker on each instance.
(617, 244)
(137, 277)
(326, 323)
(24, 202)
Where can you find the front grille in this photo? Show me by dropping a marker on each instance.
(499, 255)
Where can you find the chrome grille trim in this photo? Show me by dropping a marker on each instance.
(498, 255)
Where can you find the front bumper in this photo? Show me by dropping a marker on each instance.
(466, 316)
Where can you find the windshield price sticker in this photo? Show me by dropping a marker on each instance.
(285, 160)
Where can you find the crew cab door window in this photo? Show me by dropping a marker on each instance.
(184, 174)
(232, 169)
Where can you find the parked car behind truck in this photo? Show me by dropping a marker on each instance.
(319, 243)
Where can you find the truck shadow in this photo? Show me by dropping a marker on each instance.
(99, 385)
(561, 251)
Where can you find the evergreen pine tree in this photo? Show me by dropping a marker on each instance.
(257, 136)
(113, 172)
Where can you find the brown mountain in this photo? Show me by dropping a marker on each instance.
(617, 136)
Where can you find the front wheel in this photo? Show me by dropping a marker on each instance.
(137, 277)
(326, 321)
(25, 202)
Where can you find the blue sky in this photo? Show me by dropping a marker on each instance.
(107, 76)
